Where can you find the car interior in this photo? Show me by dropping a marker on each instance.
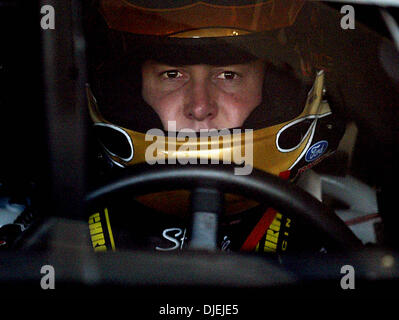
(48, 176)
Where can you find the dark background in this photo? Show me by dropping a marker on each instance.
(22, 121)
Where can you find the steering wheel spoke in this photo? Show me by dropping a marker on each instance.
(207, 207)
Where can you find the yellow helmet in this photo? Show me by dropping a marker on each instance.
(289, 132)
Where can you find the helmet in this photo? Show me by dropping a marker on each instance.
(288, 132)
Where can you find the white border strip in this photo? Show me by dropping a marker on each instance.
(381, 3)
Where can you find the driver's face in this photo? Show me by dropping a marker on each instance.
(203, 96)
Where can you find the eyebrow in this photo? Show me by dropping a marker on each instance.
(165, 64)
(161, 64)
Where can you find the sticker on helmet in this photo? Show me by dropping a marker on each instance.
(316, 150)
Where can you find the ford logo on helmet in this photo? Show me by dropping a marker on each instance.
(316, 150)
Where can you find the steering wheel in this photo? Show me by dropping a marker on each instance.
(208, 184)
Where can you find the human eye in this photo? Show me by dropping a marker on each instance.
(228, 75)
(171, 74)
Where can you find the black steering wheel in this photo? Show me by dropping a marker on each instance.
(208, 184)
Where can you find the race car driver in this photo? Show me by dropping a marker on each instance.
(178, 67)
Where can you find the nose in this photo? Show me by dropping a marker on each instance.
(200, 105)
